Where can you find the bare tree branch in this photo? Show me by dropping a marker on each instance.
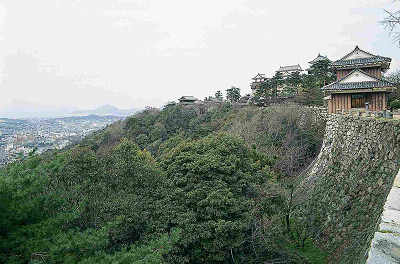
(392, 24)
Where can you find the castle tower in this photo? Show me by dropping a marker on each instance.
(359, 82)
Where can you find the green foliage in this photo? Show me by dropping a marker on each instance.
(218, 95)
(212, 182)
(79, 192)
(205, 197)
(289, 134)
(395, 104)
(233, 94)
(151, 252)
(394, 98)
(322, 73)
(319, 74)
(292, 83)
(311, 94)
(306, 87)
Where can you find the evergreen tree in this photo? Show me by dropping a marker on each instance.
(311, 92)
(233, 94)
(322, 73)
(213, 187)
(218, 95)
(292, 84)
(276, 81)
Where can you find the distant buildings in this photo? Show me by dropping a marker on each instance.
(257, 81)
(188, 100)
(318, 59)
(20, 137)
(288, 70)
(284, 71)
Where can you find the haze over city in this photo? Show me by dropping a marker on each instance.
(73, 55)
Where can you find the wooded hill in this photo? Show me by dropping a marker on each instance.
(169, 186)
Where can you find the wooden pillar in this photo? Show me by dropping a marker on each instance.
(333, 103)
(384, 101)
(373, 101)
(336, 103)
(348, 101)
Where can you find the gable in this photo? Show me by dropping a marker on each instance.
(357, 76)
(357, 53)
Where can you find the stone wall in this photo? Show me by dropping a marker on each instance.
(385, 246)
(348, 184)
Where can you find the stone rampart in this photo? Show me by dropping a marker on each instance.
(348, 184)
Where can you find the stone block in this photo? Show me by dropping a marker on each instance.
(393, 199)
(389, 228)
(397, 180)
(391, 216)
(385, 249)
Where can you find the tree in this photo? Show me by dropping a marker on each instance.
(277, 81)
(264, 92)
(292, 83)
(218, 95)
(394, 98)
(392, 23)
(213, 187)
(323, 73)
(311, 93)
(233, 94)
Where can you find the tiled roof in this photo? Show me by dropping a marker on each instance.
(258, 76)
(340, 85)
(373, 59)
(357, 85)
(362, 61)
(319, 58)
(290, 68)
(188, 98)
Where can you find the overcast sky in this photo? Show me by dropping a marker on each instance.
(133, 53)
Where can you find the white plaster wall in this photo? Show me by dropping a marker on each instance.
(358, 77)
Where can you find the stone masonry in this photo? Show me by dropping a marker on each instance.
(347, 187)
(385, 246)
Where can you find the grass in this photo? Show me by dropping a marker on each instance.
(310, 252)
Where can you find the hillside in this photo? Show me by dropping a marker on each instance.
(224, 184)
(174, 186)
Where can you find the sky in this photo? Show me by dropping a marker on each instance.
(81, 54)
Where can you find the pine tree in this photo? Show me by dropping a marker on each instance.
(218, 95)
(233, 94)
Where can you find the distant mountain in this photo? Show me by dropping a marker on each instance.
(18, 109)
(106, 110)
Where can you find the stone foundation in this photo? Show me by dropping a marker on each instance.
(349, 182)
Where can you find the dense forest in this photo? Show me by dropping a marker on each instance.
(167, 186)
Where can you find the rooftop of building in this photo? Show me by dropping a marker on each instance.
(358, 79)
(259, 76)
(290, 68)
(319, 58)
(359, 57)
(188, 98)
